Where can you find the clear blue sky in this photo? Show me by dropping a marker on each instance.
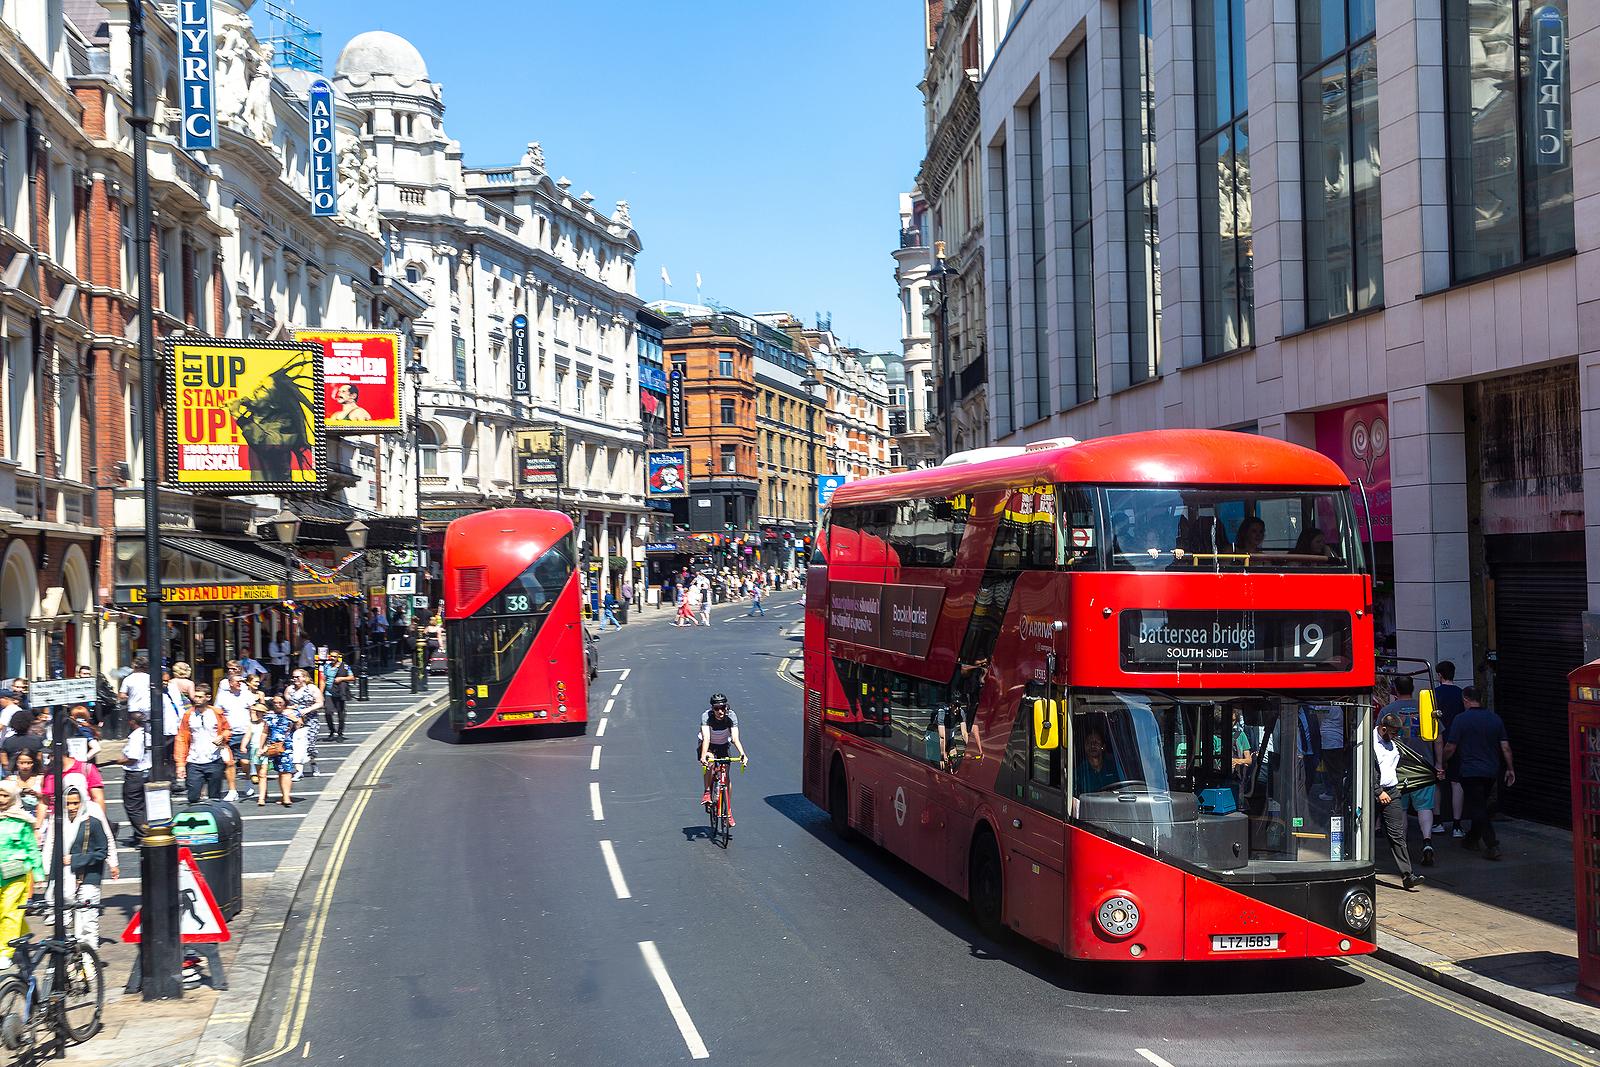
(763, 144)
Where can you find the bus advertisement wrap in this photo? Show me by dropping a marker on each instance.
(897, 618)
(361, 379)
(245, 416)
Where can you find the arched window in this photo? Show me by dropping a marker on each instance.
(428, 450)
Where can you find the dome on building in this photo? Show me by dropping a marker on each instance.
(382, 52)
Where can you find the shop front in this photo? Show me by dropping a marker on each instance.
(222, 600)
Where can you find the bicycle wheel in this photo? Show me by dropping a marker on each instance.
(84, 994)
(16, 1032)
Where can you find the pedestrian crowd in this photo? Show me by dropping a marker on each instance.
(1471, 764)
(692, 593)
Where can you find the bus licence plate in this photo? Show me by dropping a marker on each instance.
(1244, 942)
(516, 716)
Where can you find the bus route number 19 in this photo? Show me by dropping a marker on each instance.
(1308, 640)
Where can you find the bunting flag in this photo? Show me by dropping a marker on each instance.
(666, 279)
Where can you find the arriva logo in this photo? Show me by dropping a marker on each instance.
(1037, 629)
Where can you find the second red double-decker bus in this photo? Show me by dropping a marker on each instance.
(513, 621)
(1116, 693)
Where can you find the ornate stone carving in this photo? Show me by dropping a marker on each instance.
(259, 119)
(534, 156)
(621, 216)
(358, 186)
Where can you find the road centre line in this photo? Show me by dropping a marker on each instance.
(1152, 1057)
(625, 672)
(594, 802)
(594, 759)
(600, 731)
(616, 690)
(615, 870)
(609, 704)
(669, 992)
(1471, 1014)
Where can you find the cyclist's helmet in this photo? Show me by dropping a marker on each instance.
(719, 702)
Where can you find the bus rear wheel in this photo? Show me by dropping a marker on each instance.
(985, 885)
(839, 801)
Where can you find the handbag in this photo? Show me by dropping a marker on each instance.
(13, 868)
(273, 749)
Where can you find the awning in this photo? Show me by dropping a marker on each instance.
(239, 573)
(260, 566)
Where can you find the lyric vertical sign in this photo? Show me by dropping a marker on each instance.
(324, 183)
(195, 68)
(521, 381)
(1549, 87)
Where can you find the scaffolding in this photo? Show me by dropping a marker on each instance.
(294, 43)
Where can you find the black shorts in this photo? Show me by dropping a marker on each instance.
(718, 751)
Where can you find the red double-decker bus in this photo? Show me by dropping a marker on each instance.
(1115, 693)
(513, 621)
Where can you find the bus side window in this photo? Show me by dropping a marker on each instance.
(843, 535)
(1080, 522)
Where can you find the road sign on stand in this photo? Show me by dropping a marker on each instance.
(419, 603)
(54, 693)
(200, 920)
(402, 584)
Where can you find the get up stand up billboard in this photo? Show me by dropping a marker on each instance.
(245, 416)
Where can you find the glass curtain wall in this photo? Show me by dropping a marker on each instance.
(1081, 388)
(1510, 127)
(1140, 200)
(1223, 155)
(1339, 149)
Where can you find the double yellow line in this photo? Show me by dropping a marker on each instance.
(305, 966)
(1472, 1014)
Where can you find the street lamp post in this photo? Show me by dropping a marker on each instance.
(357, 532)
(286, 527)
(419, 665)
(160, 946)
(942, 274)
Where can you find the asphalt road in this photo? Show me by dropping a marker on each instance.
(268, 829)
(471, 914)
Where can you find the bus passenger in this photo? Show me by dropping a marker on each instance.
(1096, 769)
(1252, 536)
(1312, 542)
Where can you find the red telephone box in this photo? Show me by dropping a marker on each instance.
(1583, 741)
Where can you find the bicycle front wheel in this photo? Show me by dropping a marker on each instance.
(84, 994)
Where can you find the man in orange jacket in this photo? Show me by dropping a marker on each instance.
(201, 752)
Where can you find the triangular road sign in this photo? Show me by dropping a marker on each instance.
(198, 915)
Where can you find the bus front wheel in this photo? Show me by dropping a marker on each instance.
(985, 888)
(839, 801)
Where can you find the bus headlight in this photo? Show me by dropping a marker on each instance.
(1358, 909)
(1118, 916)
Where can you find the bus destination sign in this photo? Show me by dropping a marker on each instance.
(1230, 640)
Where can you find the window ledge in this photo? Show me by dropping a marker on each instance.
(1131, 386)
(1502, 272)
(1340, 321)
(1222, 357)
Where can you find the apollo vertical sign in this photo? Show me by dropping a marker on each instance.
(324, 191)
(195, 67)
(1549, 87)
(521, 383)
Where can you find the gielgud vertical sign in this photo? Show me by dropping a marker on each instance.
(245, 416)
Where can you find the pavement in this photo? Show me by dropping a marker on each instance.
(1503, 933)
(160, 1033)
(558, 898)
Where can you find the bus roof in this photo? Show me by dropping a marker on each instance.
(1154, 457)
(494, 547)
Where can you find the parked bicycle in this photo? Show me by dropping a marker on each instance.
(721, 805)
(57, 983)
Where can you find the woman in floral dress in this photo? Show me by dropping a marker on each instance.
(275, 755)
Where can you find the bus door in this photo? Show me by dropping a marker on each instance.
(1035, 814)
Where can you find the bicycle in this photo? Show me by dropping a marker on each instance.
(73, 1011)
(721, 805)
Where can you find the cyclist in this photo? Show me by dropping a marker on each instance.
(719, 728)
